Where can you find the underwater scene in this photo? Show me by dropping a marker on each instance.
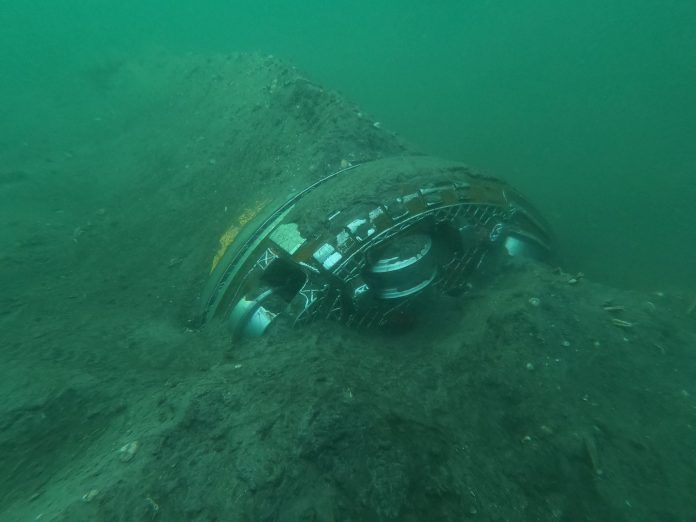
(348, 261)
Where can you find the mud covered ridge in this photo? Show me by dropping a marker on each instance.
(541, 410)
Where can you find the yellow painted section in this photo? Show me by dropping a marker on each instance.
(230, 234)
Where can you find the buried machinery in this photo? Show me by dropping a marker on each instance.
(365, 244)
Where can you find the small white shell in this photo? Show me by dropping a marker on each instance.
(128, 451)
(89, 496)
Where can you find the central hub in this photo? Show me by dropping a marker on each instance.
(403, 267)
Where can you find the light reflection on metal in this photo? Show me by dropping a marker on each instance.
(369, 264)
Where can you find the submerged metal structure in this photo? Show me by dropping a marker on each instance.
(365, 244)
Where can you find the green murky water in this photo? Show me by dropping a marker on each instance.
(128, 133)
(587, 106)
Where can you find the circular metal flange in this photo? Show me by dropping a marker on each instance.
(404, 266)
(250, 317)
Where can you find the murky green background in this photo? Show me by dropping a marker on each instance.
(589, 107)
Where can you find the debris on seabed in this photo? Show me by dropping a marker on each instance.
(89, 496)
(576, 279)
(154, 506)
(174, 261)
(128, 451)
(613, 308)
(621, 323)
(590, 445)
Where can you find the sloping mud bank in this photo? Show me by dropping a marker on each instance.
(537, 396)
